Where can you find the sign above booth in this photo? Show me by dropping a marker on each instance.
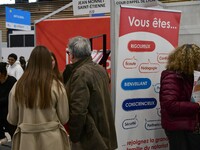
(139, 3)
(81, 7)
(18, 19)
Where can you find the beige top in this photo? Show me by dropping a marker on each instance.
(18, 114)
(40, 128)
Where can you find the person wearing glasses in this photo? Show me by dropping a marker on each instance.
(91, 121)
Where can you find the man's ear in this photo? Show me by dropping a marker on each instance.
(72, 56)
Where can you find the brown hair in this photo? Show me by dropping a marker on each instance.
(34, 87)
(185, 59)
(56, 72)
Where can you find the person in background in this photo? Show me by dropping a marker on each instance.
(6, 84)
(38, 105)
(14, 69)
(179, 116)
(22, 62)
(57, 73)
(91, 123)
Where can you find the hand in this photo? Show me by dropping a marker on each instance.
(198, 102)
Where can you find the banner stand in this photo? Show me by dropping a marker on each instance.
(144, 43)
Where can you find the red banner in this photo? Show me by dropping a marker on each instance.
(54, 34)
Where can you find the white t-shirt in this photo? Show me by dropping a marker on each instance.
(15, 70)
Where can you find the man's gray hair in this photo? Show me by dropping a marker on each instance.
(79, 47)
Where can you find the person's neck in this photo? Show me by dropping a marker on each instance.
(4, 80)
(74, 60)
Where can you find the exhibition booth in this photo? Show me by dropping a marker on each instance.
(139, 39)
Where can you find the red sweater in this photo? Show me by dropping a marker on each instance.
(177, 111)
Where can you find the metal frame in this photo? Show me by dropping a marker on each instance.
(51, 14)
(105, 52)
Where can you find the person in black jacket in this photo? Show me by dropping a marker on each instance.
(6, 84)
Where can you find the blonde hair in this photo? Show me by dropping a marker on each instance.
(184, 59)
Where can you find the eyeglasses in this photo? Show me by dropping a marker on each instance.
(68, 52)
